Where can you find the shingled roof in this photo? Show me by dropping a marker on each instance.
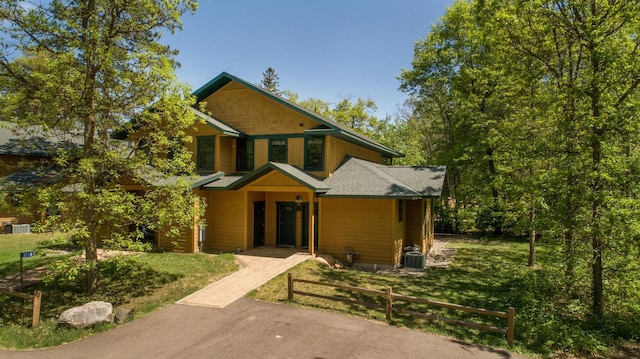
(360, 178)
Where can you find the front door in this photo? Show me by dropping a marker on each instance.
(258, 224)
(286, 234)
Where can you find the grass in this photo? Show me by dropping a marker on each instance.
(143, 283)
(489, 274)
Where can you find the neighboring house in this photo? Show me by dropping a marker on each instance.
(276, 174)
(25, 161)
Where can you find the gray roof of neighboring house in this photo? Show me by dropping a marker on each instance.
(360, 178)
(332, 127)
(28, 178)
(33, 141)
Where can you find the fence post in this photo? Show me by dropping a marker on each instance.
(290, 286)
(511, 321)
(389, 303)
(37, 296)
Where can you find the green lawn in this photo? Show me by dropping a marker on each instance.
(489, 274)
(143, 283)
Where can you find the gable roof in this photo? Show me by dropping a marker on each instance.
(290, 171)
(33, 140)
(29, 178)
(327, 125)
(217, 124)
(360, 178)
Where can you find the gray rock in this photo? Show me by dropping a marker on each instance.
(87, 315)
(122, 314)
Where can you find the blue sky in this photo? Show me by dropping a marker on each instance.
(326, 49)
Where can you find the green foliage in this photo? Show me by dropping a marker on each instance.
(81, 72)
(488, 273)
(533, 105)
(144, 283)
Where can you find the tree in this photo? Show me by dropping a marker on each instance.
(589, 50)
(86, 69)
(270, 81)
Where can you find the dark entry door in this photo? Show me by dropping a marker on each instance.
(305, 225)
(286, 224)
(258, 224)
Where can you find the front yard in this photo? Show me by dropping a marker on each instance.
(143, 282)
(489, 274)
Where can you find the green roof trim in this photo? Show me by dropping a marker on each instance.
(206, 179)
(290, 171)
(352, 136)
(218, 125)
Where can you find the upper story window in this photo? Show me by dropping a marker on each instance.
(205, 153)
(314, 154)
(244, 155)
(278, 150)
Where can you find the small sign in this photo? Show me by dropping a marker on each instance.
(27, 254)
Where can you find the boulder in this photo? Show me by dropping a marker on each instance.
(87, 315)
(122, 314)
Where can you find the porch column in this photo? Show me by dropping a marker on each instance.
(312, 239)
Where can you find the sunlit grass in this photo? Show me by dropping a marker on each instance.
(142, 283)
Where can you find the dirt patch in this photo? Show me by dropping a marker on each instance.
(440, 256)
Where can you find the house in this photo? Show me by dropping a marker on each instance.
(26, 160)
(276, 174)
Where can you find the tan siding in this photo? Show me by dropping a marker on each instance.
(252, 197)
(186, 242)
(337, 149)
(399, 230)
(254, 114)
(295, 152)
(261, 152)
(364, 225)
(415, 223)
(225, 218)
(225, 154)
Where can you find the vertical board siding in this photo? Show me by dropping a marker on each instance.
(225, 154)
(252, 197)
(415, 224)
(261, 152)
(225, 220)
(296, 152)
(337, 149)
(363, 225)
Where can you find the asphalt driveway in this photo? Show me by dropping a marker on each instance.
(254, 329)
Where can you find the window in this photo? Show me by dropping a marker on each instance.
(278, 150)
(244, 155)
(314, 154)
(205, 153)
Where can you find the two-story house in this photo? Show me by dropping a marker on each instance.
(276, 174)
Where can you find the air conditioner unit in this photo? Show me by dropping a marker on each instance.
(414, 260)
(21, 228)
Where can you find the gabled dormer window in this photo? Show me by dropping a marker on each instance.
(278, 150)
(205, 153)
(314, 154)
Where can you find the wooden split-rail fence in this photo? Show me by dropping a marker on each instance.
(34, 299)
(389, 297)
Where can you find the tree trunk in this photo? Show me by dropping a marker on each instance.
(532, 236)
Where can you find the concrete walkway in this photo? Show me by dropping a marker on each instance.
(259, 265)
